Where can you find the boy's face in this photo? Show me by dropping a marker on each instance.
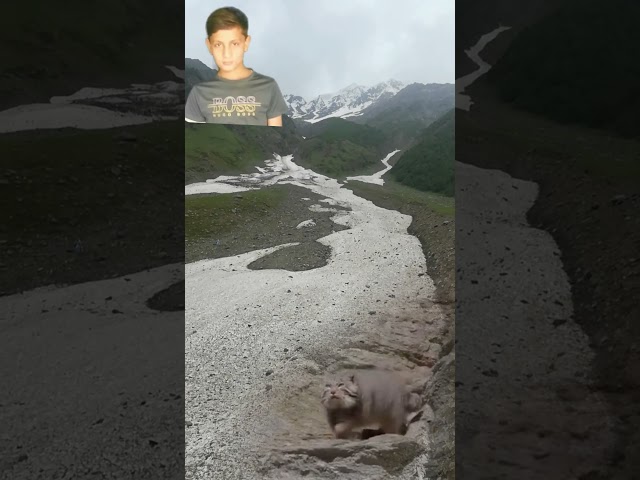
(228, 48)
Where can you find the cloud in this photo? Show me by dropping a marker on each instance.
(319, 47)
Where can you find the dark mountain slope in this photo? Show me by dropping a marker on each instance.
(555, 67)
(429, 165)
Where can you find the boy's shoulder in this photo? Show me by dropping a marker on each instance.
(217, 82)
(260, 76)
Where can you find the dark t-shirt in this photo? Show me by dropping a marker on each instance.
(249, 101)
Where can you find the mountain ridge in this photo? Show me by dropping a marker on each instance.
(347, 102)
(195, 71)
(429, 164)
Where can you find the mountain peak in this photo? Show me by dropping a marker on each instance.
(349, 101)
(350, 87)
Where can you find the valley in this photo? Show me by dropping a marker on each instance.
(320, 259)
(374, 274)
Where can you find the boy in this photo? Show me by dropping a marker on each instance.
(237, 95)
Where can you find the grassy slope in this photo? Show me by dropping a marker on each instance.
(341, 148)
(210, 215)
(118, 190)
(52, 49)
(572, 85)
(404, 117)
(429, 165)
(212, 150)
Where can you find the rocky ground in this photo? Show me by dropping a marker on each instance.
(100, 391)
(114, 215)
(586, 202)
(411, 334)
(251, 221)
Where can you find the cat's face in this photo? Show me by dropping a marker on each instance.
(342, 393)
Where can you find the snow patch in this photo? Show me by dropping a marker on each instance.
(376, 178)
(213, 187)
(464, 102)
(50, 115)
(63, 112)
(306, 223)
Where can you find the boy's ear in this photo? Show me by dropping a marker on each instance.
(208, 44)
(247, 41)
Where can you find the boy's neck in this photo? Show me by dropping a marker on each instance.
(238, 74)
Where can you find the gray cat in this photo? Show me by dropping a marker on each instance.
(367, 398)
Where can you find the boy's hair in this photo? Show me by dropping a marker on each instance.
(227, 17)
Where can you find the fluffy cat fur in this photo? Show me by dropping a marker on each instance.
(367, 398)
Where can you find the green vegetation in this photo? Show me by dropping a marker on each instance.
(339, 159)
(570, 67)
(51, 50)
(339, 129)
(216, 149)
(340, 148)
(208, 216)
(429, 165)
(405, 116)
(118, 190)
(212, 150)
(400, 194)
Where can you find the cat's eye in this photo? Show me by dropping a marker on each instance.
(341, 384)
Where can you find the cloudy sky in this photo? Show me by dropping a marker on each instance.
(312, 47)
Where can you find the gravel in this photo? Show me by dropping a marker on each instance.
(247, 322)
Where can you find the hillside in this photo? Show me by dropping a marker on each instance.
(348, 102)
(554, 68)
(415, 102)
(429, 165)
(50, 51)
(339, 148)
(212, 150)
(196, 72)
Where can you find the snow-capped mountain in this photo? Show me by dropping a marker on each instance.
(347, 102)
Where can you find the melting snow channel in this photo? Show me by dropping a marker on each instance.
(464, 102)
(376, 178)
